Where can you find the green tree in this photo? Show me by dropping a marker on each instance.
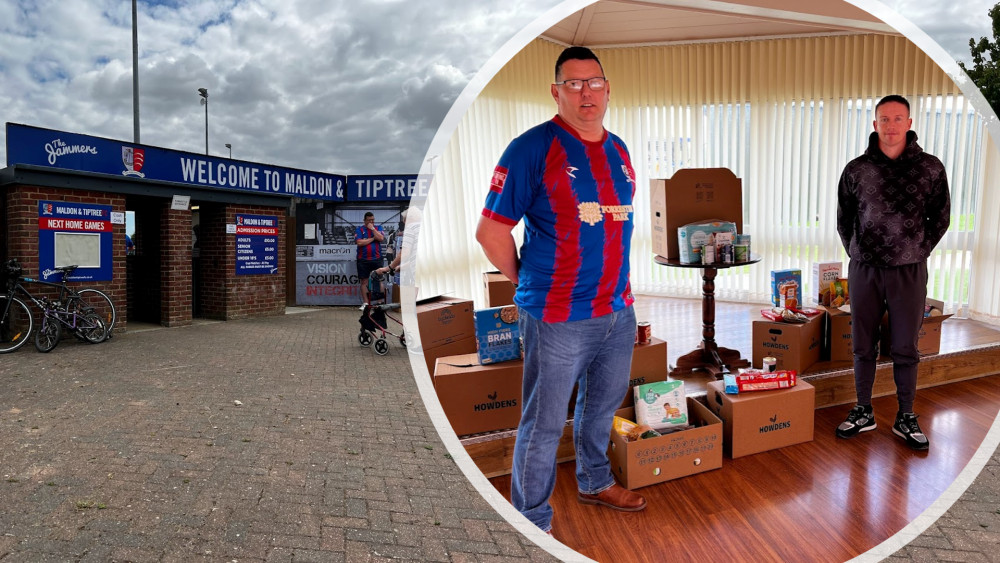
(985, 71)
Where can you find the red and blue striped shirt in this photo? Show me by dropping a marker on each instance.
(575, 197)
(371, 251)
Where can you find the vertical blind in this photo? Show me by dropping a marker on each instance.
(785, 115)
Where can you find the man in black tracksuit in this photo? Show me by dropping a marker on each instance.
(893, 208)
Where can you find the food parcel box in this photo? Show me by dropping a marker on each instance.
(479, 398)
(463, 346)
(671, 456)
(929, 337)
(839, 342)
(444, 319)
(649, 364)
(795, 346)
(763, 420)
(498, 289)
(690, 196)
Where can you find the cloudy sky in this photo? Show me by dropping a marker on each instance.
(326, 85)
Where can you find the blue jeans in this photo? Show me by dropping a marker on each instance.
(594, 354)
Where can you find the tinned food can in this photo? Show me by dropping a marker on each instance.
(770, 364)
(643, 332)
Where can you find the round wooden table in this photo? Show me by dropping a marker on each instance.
(709, 356)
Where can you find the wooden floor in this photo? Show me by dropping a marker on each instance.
(826, 500)
(678, 322)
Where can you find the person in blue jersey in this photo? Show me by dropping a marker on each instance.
(572, 184)
(369, 238)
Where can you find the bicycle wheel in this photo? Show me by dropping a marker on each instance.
(101, 304)
(48, 334)
(91, 328)
(16, 325)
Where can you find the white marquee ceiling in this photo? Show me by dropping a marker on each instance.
(632, 22)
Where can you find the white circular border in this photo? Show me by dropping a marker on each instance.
(423, 378)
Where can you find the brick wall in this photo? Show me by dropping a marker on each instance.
(175, 266)
(223, 294)
(21, 234)
(215, 260)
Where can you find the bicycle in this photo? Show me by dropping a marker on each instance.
(82, 321)
(88, 297)
(16, 322)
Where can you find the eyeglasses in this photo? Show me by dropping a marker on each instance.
(595, 83)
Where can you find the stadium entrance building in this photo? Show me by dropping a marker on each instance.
(168, 235)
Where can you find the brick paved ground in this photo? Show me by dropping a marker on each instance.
(969, 530)
(136, 450)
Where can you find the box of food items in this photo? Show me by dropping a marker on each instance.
(929, 337)
(758, 422)
(692, 195)
(838, 339)
(641, 456)
(793, 338)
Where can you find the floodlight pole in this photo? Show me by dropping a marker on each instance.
(203, 92)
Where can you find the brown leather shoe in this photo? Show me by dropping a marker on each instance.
(617, 497)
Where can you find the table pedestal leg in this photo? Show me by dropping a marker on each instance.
(709, 356)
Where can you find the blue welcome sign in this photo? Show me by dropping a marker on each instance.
(85, 153)
(387, 187)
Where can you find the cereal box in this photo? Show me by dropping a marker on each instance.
(786, 288)
(497, 335)
(661, 405)
(823, 274)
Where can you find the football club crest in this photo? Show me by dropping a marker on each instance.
(133, 160)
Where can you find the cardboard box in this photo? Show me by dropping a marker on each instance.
(694, 236)
(786, 285)
(765, 420)
(458, 347)
(690, 196)
(649, 364)
(498, 289)
(678, 454)
(795, 346)
(498, 336)
(823, 274)
(838, 341)
(929, 337)
(493, 453)
(444, 319)
(479, 398)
